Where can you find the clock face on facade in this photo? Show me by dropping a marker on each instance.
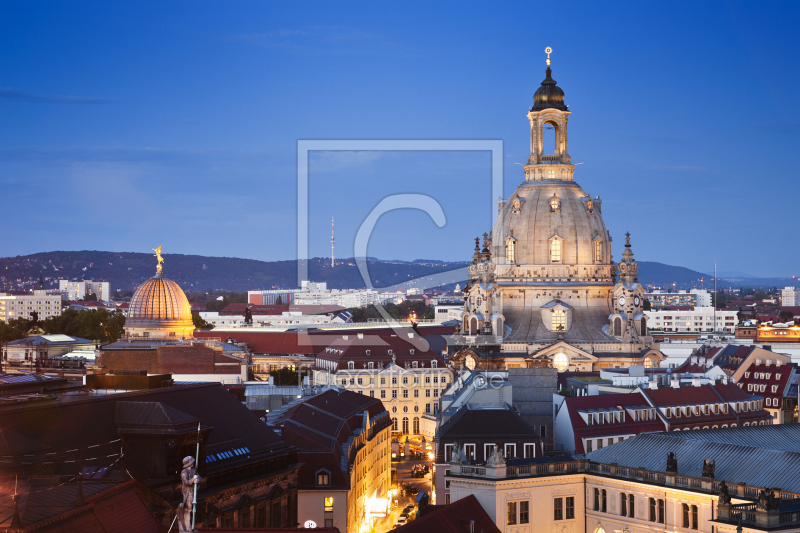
(621, 300)
(636, 301)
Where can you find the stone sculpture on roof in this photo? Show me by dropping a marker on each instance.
(189, 479)
(708, 468)
(672, 463)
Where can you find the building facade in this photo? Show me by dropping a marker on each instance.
(401, 371)
(589, 423)
(790, 297)
(75, 291)
(690, 298)
(699, 319)
(22, 305)
(344, 442)
(696, 481)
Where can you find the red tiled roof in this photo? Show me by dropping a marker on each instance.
(453, 518)
(758, 374)
(307, 343)
(384, 349)
(608, 401)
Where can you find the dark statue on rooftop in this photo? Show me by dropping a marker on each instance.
(767, 501)
(708, 468)
(672, 463)
(248, 315)
(189, 479)
(724, 495)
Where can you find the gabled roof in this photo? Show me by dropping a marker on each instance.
(453, 518)
(608, 402)
(501, 423)
(769, 376)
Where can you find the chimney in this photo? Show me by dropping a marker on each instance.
(778, 363)
(675, 383)
(696, 382)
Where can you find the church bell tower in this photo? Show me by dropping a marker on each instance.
(549, 111)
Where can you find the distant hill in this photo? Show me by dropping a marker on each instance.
(126, 270)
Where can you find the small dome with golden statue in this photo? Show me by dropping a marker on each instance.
(159, 308)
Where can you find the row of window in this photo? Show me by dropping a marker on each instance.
(756, 387)
(404, 380)
(589, 447)
(509, 450)
(351, 365)
(763, 375)
(555, 250)
(627, 507)
(405, 393)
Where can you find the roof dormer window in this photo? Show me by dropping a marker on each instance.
(351, 365)
(555, 204)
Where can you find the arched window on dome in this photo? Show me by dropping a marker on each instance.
(644, 327)
(555, 250)
(617, 327)
(555, 204)
(558, 320)
(598, 250)
(511, 245)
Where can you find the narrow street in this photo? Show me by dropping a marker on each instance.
(422, 484)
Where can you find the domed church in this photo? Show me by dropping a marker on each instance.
(543, 287)
(159, 308)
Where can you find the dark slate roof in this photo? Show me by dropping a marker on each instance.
(453, 518)
(784, 437)
(117, 508)
(49, 339)
(756, 466)
(493, 423)
(67, 425)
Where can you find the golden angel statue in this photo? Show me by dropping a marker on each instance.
(158, 255)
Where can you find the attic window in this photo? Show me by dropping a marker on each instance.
(351, 365)
(323, 478)
(411, 351)
(390, 352)
(434, 364)
(414, 364)
(367, 352)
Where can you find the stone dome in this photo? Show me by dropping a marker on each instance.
(549, 95)
(539, 212)
(159, 308)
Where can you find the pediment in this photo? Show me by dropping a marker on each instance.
(562, 347)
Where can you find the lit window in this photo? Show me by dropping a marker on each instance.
(323, 479)
(598, 251)
(555, 203)
(329, 503)
(560, 362)
(510, 250)
(558, 321)
(555, 250)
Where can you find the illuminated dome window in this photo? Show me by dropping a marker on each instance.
(561, 362)
(555, 204)
(470, 362)
(558, 321)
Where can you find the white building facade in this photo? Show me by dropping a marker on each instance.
(75, 291)
(790, 297)
(22, 305)
(700, 319)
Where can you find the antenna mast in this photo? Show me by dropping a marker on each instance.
(715, 296)
(332, 242)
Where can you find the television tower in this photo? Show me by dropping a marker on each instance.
(332, 242)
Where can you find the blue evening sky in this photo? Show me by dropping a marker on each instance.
(129, 125)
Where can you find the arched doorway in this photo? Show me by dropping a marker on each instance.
(415, 426)
(473, 326)
(405, 425)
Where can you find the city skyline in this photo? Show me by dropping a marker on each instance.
(180, 128)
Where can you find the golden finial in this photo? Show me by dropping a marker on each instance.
(158, 255)
(548, 51)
